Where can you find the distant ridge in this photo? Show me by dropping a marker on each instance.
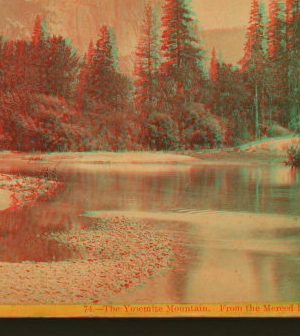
(229, 41)
(79, 20)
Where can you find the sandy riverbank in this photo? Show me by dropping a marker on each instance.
(266, 151)
(107, 157)
(120, 255)
(263, 152)
(238, 157)
(117, 255)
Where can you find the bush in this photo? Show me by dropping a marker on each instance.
(200, 128)
(294, 124)
(275, 130)
(40, 123)
(239, 130)
(162, 132)
(293, 153)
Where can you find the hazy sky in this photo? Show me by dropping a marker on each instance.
(222, 13)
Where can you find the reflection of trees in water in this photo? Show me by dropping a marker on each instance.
(233, 188)
(287, 278)
(21, 230)
(276, 276)
(262, 280)
(186, 253)
(121, 191)
(21, 234)
(251, 189)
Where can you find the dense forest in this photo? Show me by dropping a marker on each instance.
(53, 99)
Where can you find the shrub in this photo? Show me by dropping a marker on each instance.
(162, 132)
(40, 122)
(293, 153)
(200, 128)
(294, 124)
(275, 130)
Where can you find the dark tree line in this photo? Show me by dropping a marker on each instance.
(68, 102)
(47, 64)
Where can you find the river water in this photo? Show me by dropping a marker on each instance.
(240, 226)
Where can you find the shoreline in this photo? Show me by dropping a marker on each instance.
(16, 191)
(106, 270)
(19, 191)
(224, 156)
(240, 158)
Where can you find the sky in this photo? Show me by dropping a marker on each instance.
(212, 14)
(219, 14)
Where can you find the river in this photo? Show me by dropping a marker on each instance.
(239, 224)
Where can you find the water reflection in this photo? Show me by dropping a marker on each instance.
(21, 232)
(225, 257)
(226, 188)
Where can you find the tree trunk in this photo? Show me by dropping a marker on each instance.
(256, 113)
(263, 109)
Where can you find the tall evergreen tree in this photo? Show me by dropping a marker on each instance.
(38, 33)
(254, 54)
(83, 87)
(146, 63)
(230, 93)
(289, 22)
(181, 50)
(293, 46)
(213, 66)
(107, 85)
(62, 68)
(277, 59)
(103, 67)
(253, 61)
(276, 31)
(40, 55)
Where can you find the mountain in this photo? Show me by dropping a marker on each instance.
(229, 42)
(80, 20)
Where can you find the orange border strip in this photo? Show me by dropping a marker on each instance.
(154, 310)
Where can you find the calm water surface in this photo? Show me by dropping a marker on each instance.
(235, 250)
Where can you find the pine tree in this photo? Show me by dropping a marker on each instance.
(146, 63)
(253, 61)
(62, 68)
(38, 33)
(40, 55)
(254, 54)
(276, 31)
(181, 50)
(103, 68)
(277, 58)
(83, 87)
(293, 63)
(213, 66)
(90, 53)
(289, 21)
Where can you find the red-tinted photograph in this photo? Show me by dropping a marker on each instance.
(149, 155)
